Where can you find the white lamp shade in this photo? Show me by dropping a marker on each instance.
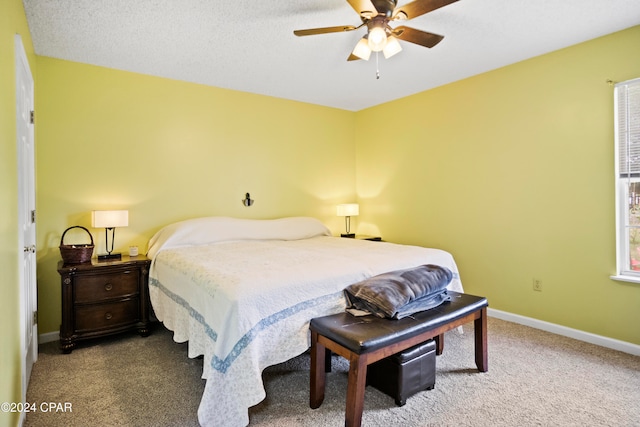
(362, 49)
(377, 39)
(348, 209)
(109, 219)
(392, 47)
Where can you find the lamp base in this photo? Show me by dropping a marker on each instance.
(109, 257)
(350, 235)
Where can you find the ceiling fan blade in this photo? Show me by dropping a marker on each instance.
(417, 36)
(352, 57)
(313, 31)
(419, 7)
(363, 8)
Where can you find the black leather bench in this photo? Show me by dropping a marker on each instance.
(365, 340)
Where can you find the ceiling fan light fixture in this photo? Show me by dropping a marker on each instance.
(392, 47)
(376, 15)
(377, 39)
(362, 49)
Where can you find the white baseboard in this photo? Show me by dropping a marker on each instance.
(600, 340)
(577, 334)
(48, 337)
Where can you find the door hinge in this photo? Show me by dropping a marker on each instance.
(32, 118)
(35, 317)
(33, 217)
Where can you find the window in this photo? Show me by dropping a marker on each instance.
(627, 140)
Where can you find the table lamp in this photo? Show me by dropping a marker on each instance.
(109, 220)
(347, 211)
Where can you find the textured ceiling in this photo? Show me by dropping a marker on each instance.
(249, 45)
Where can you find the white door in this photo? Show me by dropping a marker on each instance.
(26, 212)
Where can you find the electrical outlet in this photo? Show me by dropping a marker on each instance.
(537, 285)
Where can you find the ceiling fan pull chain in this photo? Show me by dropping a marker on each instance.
(377, 67)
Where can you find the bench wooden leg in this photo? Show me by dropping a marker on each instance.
(355, 390)
(318, 375)
(327, 360)
(439, 344)
(480, 329)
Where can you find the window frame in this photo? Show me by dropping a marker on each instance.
(623, 179)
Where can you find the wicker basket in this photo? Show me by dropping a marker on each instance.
(76, 254)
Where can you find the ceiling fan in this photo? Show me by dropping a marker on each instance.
(376, 15)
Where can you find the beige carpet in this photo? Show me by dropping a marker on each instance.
(535, 379)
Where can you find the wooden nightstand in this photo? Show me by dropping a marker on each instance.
(372, 238)
(103, 298)
(364, 237)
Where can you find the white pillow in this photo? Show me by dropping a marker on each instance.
(201, 231)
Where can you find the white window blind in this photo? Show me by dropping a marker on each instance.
(628, 127)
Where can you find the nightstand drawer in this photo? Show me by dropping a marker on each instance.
(101, 316)
(93, 288)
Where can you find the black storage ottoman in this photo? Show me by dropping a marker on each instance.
(403, 374)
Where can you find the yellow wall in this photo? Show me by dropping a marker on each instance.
(168, 150)
(12, 21)
(512, 171)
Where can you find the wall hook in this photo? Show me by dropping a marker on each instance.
(247, 201)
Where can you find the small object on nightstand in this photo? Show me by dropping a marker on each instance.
(372, 238)
(77, 253)
(103, 298)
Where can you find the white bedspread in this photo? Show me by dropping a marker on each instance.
(246, 305)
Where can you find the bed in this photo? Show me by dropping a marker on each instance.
(242, 293)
